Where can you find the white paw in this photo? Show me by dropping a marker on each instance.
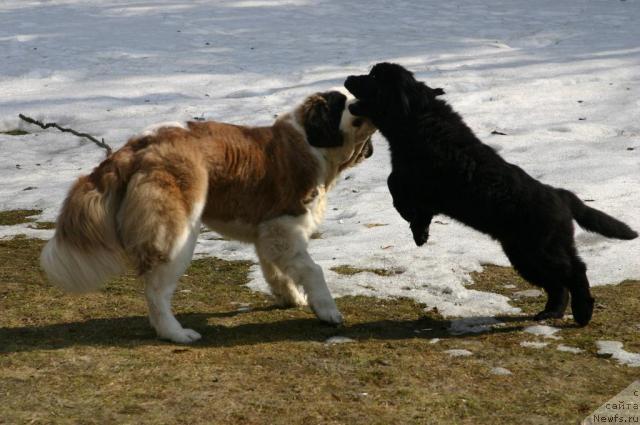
(327, 311)
(181, 336)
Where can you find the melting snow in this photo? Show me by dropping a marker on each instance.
(569, 349)
(614, 348)
(459, 353)
(534, 344)
(500, 371)
(472, 325)
(112, 69)
(529, 293)
(543, 330)
(338, 340)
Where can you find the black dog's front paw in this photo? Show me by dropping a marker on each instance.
(420, 234)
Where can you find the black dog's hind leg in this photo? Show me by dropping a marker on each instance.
(558, 299)
(551, 271)
(581, 299)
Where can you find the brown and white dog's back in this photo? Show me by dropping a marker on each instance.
(144, 205)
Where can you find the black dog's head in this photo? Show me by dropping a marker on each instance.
(388, 92)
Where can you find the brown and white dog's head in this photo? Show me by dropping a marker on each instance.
(341, 137)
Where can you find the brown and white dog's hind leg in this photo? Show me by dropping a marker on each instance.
(160, 284)
(283, 289)
(160, 222)
(283, 241)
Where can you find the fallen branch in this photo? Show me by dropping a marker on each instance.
(101, 143)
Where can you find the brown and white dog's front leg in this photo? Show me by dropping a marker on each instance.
(283, 288)
(283, 241)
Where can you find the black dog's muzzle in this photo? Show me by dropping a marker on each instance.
(359, 85)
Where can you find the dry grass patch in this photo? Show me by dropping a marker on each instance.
(14, 132)
(43, 225)
(350, 271)
(13, 217)
(94, 359)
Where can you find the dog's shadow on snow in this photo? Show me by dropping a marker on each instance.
(135, 331)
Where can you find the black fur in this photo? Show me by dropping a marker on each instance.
(440, 167)
(322, 120)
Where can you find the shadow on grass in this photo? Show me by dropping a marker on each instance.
(135, 331)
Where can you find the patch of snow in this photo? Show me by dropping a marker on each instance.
(459, 353)
(529, 293)
(543, 330)
(569, 349)
(615, 350)
(434, 340)
(533, 344)
(472, 325)
(339, 340)
(500, 371)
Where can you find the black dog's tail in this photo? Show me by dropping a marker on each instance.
(596, 221)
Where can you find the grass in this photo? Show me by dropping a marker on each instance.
(43, 225)
(94, 359)
(350, 271)
(12, 217)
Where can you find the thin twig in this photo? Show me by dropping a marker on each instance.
(101, 143)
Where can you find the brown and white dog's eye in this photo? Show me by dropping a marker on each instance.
(357, 122)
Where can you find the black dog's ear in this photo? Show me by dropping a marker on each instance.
(407, 89)
(322, 114)
(427, 94)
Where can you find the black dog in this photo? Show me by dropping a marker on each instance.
(440, 167)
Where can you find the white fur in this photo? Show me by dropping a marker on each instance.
(153, 128)
(347, 117)
(77, 271)
(161, 282)
(282, 242)
(291, 119)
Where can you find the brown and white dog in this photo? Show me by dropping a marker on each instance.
(144, 205)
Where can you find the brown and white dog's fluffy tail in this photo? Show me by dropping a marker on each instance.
(85, 250)
(139, 207)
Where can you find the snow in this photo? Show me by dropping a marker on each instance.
(459, 353)
(472, 325)
(569, 349)
(529, 293)
(558, 78)
(542, 330)
(338, 340)
(500, 371)
(615, 350)
(533, 344)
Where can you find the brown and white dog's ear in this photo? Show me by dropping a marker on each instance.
(322, 114)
